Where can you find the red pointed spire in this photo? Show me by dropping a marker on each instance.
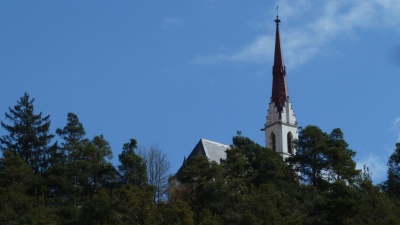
(279, 87)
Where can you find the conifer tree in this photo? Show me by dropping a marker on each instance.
(28, 134)
(375, 206)
(73, 135)
(94, 167)
(324, 158)
(15, 179)
(134, 199)
(392, 184)
(342, 165)
(312, 155)
(133, 168)
(66, 176)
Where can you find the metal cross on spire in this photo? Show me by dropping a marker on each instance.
(277, 21)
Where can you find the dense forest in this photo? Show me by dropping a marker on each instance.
(43, 181)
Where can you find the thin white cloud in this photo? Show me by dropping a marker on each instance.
(303, 40)
(255, 52)
(391, 9)
(171, 23)
(377, 166)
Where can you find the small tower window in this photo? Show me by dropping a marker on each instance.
(290, 143)
(272, 141)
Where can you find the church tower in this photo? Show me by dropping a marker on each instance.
(281, 126)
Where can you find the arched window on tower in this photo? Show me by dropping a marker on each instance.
(272, 141)
(290, 143)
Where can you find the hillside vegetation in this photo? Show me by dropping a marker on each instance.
(74, 182)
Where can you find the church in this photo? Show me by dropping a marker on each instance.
(281, 128)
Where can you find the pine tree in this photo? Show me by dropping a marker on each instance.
(133, 168)
(93, 166)
(312, 155)
(375, 206)
(15, 179)
(28, 134)
(324, 158)
(342, 165)
(73, 134)
(62, 177)
(392, 184)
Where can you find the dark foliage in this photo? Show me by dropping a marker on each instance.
(74, 182)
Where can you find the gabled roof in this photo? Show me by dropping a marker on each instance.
(214, 151)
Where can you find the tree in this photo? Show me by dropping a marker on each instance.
(89, 170)
(157, 170)
(392, 184)
(15, 178)
(312, 155)
(375, 207)
(94, 168)
(133, 168)
(73, 144)
(99, 210)
(177, 213)
(357, 203)
(342, 166)
(28, 134)
(324, 158)
(260, 186)
(73, 134)
(135, 197)
(134, 204)
(63, 177)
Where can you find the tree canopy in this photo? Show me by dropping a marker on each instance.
(74, 182)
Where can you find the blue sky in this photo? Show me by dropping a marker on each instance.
(172, 72)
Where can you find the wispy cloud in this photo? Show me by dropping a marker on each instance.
(254, 52)
(304, 39)
(171, 22)
(376, 164)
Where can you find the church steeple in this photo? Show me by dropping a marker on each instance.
(279, 87)
(281, 126)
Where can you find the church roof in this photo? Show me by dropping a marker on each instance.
(279, 87)
(214, 151)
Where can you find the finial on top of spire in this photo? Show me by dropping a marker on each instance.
(277, 21)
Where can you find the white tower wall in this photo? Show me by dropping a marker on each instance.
(281, 126)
